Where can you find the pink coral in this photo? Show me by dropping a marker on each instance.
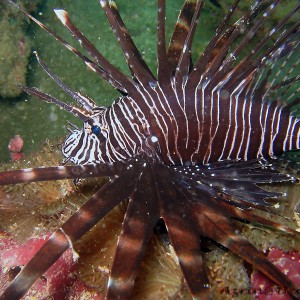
(15, 147)
(61, 281)
(16, 144)
(289, 264)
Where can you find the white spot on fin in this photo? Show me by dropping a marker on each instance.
(62, 15)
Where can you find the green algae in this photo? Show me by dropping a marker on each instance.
(14, 53)
(15, 48)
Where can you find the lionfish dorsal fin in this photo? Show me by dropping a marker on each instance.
(139, 69)
(99, 64)
(222, 63)
(218, 62)
(214, 45)
(163, 66)
(262, 54)
(185, 61)
(181, 32)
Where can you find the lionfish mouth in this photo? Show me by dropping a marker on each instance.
(191, 146)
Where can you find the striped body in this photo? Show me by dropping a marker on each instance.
(200, 126)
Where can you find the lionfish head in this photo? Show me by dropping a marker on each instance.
(85, 146)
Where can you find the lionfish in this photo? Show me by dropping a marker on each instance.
(189, 146)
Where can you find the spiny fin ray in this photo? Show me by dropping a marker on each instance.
(137, 65)
(181, 32)
(105, 199)
(141, 216)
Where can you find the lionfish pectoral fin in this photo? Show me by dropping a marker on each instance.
(46, 256)
(103, 201)
(141, 216)
(186, 243)
(60, 172)
(221, 229)
(185, 240)
(249, 215)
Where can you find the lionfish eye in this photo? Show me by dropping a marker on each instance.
(96, 130)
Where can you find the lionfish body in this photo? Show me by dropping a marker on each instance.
(208, 125)
(188, 142)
